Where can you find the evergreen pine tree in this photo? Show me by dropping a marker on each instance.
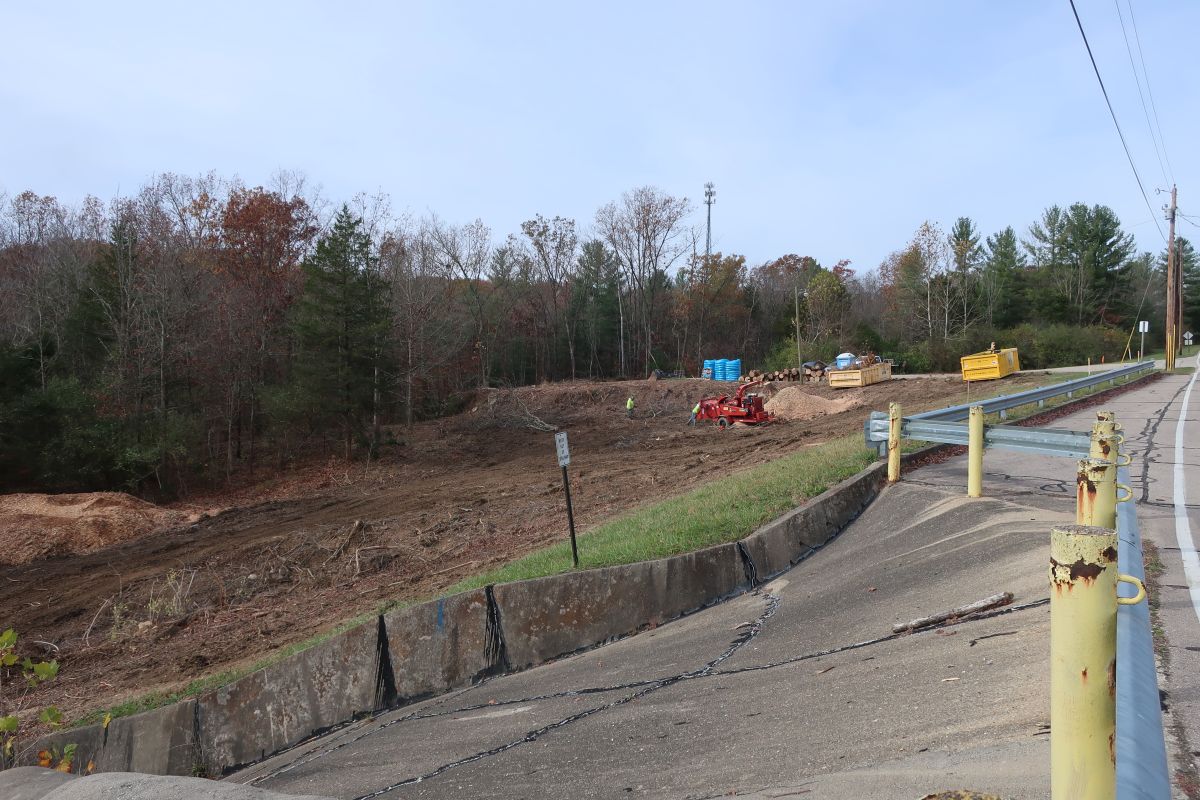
(341, 322)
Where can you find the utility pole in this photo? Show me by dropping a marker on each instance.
(796, 297)
(710, 197)
(1172, 288)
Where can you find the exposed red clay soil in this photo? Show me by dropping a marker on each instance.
(128, 607)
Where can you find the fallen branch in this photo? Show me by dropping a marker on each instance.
(986, 604)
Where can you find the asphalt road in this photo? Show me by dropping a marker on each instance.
(797, 688)
(1163, 435)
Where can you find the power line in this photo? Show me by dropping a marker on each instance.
(1141, 96)
(1137, 38)
(1120, 133)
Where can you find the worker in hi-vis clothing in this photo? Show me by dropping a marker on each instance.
(695, 413)
(629, 407)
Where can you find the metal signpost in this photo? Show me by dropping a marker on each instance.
(1143, 328)
(564, 458)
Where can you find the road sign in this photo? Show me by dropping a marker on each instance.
(1143, 327)
(564, 458)
(564, 453)
(1187, 338)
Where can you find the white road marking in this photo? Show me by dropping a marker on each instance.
(1183, 529)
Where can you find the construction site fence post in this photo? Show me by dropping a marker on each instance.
(975, 452)
(1083, 642)
(893, 443)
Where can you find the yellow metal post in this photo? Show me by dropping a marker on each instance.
(1107, 439)
(1083, 646)
(975, 452)
(893, 442)
(1096, 493)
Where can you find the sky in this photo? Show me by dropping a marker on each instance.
(829, 129)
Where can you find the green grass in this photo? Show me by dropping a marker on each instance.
(724, 510)
(1159, 355)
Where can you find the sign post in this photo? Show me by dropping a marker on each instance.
(1143, 327)
(564, 458)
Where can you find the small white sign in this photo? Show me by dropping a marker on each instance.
(1187, 338)
(564, 454)
(1143, 327)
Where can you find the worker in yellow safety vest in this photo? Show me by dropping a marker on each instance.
(629, 407)
(695, 413)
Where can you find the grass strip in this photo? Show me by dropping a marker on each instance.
(723, 510)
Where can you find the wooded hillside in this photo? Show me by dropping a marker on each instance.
(202, 328)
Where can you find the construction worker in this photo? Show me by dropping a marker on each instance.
(695, 413)
(629, 407)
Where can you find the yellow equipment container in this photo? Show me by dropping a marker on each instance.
(863, 376)
(990, 364)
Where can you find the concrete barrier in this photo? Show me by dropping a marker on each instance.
(287, 702)
(158, 742)
(438, 645)
(88, 741)
(781, 543)
(545, 618)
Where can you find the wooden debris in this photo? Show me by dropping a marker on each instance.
(985, 604)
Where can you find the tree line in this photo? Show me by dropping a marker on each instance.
(201, 328)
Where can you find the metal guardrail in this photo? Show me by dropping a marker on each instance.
(1141, 750)
(1000, 405)
(1043, 441)
(1005, 402)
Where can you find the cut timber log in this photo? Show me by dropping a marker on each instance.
(986, 604)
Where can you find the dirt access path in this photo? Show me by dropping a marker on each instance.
(466, 493)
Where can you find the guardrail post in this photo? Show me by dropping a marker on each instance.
(975, 452)
(893, 443)
(1106, 438)
(1096, 493)
(1083, 642)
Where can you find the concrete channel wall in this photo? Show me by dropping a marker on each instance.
(427, 649)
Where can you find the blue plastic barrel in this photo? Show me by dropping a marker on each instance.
(710, 367)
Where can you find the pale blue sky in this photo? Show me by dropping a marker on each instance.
(830, 129)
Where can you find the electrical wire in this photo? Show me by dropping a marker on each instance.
(1141, 95)
(1113, 113)
(1149, 91)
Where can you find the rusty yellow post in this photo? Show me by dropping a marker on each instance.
(1107, 439)
(1096, 493)
(1083, 647)
(975, 452)
(893, 442)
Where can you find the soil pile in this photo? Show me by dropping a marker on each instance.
(793, 403)
(34, 526)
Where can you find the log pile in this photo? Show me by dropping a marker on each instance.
(790, 374)
(814, 371)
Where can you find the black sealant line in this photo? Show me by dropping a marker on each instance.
(1149, 448)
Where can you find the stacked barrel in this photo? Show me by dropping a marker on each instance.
(722, 369)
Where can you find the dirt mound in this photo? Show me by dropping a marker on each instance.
(793, 403)
(34, 526)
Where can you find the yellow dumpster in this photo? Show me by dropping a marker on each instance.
(860, 376)
(990, 364)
